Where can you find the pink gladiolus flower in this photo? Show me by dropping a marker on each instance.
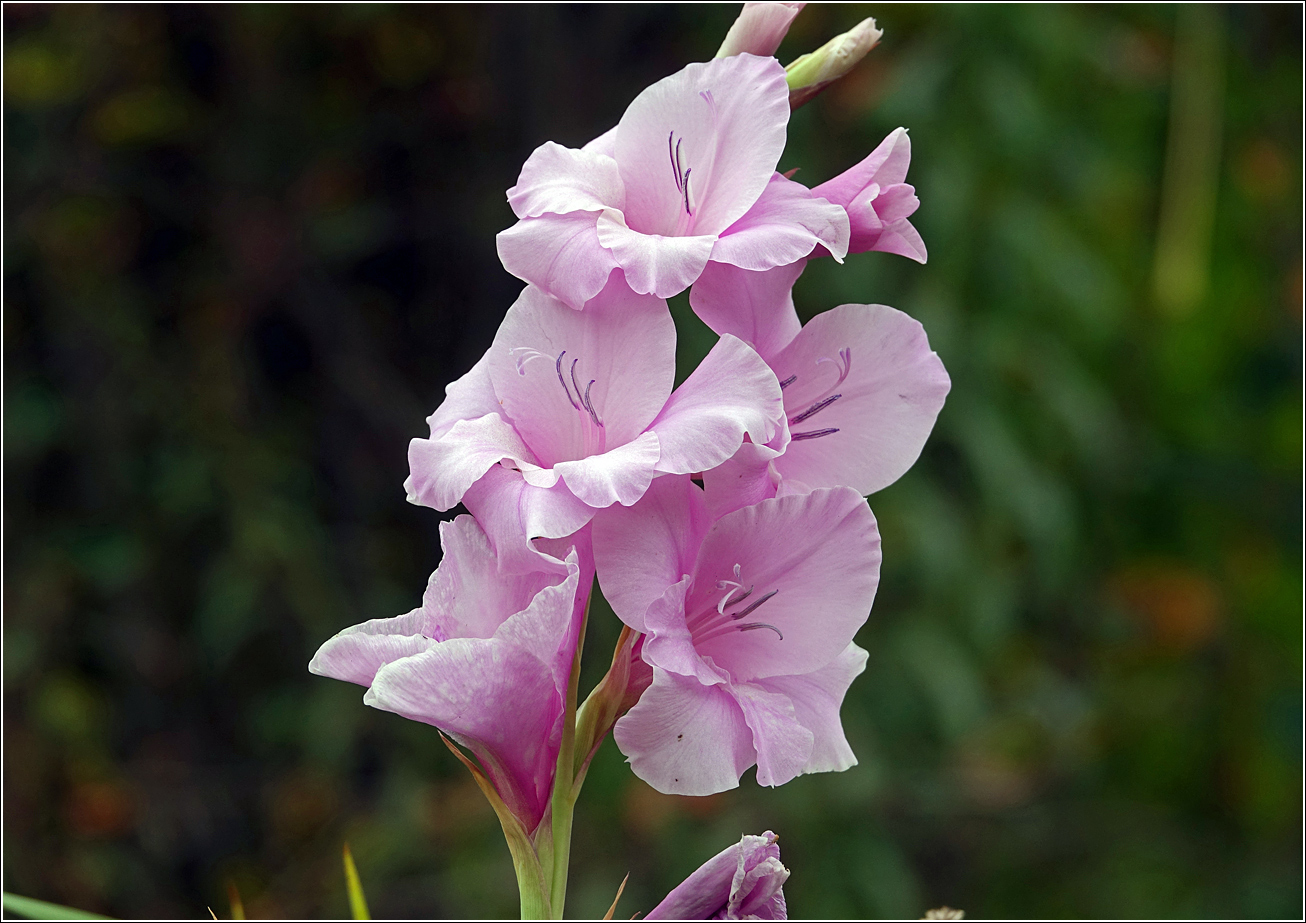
(862, 389)
(748, 626)
(577, 408)
(742, 882)
(879, 200)
(759, 29)
(486, 659)
(686, 177)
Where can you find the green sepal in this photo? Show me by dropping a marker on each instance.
(531, 881)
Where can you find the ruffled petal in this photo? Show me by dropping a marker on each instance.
(886, 165)
(549, 365)
(559, 180)
(817, 554)
(620, 475)
(469, 397)
(877, 217)
(755, 890)
(896, 202)
(467, 597)
(759, 29)
(546, 628)
(741, 480)
(668, 644)
(495, 699)
(817, 698)
(728, 118)
(652, 263)
(784, 226)
(559, 253)
(513, 513)
(902, 238)
(886, 406)
(783, 744)
(684, 738)
(641, 550)
(742, 882)
(731, 393)
(355, 654)
(441, 470)
(498, 696)
(605, 143)
(757, 307)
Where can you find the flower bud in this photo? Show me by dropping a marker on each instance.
(813, 72)
(759, 29)
(615, 695)
(742, 882)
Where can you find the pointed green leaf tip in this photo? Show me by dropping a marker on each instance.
(357, 902)
(32, 909)
(237, 905)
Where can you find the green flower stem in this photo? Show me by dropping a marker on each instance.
(565, 791)
(532, 879)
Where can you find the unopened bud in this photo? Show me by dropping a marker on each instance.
(615, 695)
(813, 72)
(759, 29)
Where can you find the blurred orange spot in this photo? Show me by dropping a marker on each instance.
(1292, 292)
(99, 809)
(327, 185)
(647, 811)
(1139, 57)
(452, 806)
(301, 804)
(265, 908)
(1180, 607)
(993, 781)
(850, 98)
(1261, 171)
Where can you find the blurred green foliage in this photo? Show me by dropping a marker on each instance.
(246, 247)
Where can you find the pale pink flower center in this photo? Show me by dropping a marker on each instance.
(691, 190)
(593, 439)
(718, 620)
(824, 399)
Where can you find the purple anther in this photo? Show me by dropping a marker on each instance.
(757, 602)
(814, 409)
(752, 625)
(741, 597)
(687, 210)
(590, 406)
(575, 383)
(813, 434)
(671, 155)
(728, 599)
(788, 381)
(558, 365)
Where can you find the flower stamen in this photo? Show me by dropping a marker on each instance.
(813, 434)
(814, 409)
(558, 366)
(752, 625)
(757, 602)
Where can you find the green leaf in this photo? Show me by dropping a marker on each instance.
(357, 902)
(237, 905)
(33, 909)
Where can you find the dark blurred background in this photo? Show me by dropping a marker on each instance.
(247, 246)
